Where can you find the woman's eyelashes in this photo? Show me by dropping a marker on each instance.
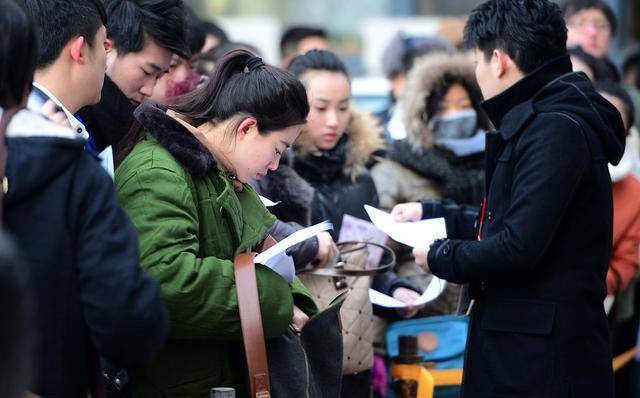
(324, 109)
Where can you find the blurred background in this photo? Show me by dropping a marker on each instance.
(359, 30)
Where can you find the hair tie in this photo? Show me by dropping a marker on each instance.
(254, 63)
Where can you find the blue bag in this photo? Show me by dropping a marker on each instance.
(452, 339)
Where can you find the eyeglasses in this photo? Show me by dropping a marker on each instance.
(581, 24)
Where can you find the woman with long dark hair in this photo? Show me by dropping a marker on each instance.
(332, 155)
(183, 182)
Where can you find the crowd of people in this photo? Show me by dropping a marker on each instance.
(139, 143)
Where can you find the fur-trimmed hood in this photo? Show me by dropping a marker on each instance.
(422, 78)
(365, 138)
(180, 143)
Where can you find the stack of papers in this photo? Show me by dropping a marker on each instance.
(276, 256)
(415, 234)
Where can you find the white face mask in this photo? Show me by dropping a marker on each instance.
(459, 125)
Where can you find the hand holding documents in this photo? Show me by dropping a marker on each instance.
(435, 288)
(276, 257)
(415, 234)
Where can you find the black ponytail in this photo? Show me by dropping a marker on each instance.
(241, 85)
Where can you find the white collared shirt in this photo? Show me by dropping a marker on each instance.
(35, 104)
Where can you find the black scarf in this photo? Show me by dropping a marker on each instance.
(461, 179)
(326, 166)
(110, 120)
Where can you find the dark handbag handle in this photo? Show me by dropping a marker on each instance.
(339, 269)
(7, 114)
(251, 321)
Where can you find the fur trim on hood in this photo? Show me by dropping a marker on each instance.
(422, 78)
(365, 138)
(182, 145)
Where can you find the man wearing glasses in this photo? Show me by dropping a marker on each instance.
(591, 24)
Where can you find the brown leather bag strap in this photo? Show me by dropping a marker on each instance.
(251, 322)
(7, 114)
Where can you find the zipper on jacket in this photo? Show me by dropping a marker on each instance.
(308, 371)
(296, 332)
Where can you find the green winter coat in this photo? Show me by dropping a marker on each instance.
(191, 223)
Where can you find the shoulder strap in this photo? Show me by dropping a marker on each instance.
(7, 114)
(251, 322)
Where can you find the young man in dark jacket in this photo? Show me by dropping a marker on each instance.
(90, 296)
(537, 272)
(143, 35)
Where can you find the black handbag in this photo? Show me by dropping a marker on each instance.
(305, 363)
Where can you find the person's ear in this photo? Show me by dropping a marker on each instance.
(112, 52)
(108, 45)
(246, 127)
(77, 50)
(498, 63)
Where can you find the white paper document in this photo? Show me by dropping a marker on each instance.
(415, 234)
(283, 265)
(281, 247)
(435, 288)
(267, 202)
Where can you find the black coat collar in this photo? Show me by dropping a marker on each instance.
(511, 109)
(109, 120)
(180, 143)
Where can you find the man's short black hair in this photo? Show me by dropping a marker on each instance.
(196, 34)
(131, 22)
(294, 35)
(18, 53)
(572, 7)
(531, 32)
(58, 21)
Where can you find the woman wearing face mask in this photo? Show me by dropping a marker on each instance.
(331, 155)
(443, 154)
(183, 183)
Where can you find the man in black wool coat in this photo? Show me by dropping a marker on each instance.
(535, 254)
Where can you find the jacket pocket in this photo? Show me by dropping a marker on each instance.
(518, 347)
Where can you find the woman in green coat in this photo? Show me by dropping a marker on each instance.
(182, 180)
